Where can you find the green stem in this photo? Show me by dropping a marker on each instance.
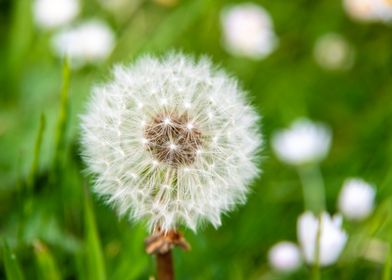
(316, 272)
(388, 264)
(313, 188)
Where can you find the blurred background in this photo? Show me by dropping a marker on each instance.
(327, 60)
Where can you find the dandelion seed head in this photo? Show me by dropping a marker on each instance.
(171, 147)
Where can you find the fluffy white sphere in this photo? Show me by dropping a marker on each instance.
(333, 52)
(89, 42)
(248, 31)
(331, 241)
(285, 256)
(304, 142)
(54, 13)
(356, 199)
(171, 141)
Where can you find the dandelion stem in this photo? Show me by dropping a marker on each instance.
(313, 188)
(161, 243)
(165, 269)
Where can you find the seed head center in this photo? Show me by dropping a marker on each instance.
(173, 139)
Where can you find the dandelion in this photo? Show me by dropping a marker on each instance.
(322, 238)
(304, 142)
(171, 141)
(248, 31)
(333, 52)
(356, 199)
(50, 14)
(89, 42)
(285, 257)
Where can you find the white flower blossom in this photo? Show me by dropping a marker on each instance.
(89, 42)
(383, 10)
(285, 256)
(333, 52)
(304, 142)
(369, 10)
(323, 232)
(50, 14)
(356, 199)
(248, 31)
(172, 141)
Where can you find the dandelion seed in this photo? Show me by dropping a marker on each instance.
(172, 152)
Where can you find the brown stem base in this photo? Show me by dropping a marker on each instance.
(165, 269)
(161, 244)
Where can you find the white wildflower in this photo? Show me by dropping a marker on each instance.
(172, 141)
(383, 10)
(356, 199)
(333, 52)
(327, 232)
(89, 42)
(248, 31)
(361, 10)
(304, 142)
(285, 256)
(49, 14)
(369, 10)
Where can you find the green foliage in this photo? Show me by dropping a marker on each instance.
(57, 229)
(46, 264)
(95, 263)
(11, 265)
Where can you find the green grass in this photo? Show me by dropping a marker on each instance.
(54, 227)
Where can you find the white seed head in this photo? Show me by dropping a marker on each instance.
(332, 238)
(173, 155)
(333, 52)
(356, 199)
(89, 42)
(304, 142)
(285, 257)
(50, 14)
(248, 31)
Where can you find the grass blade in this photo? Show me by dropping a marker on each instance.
(47, 266)
(12, 268)
(63, 115)
(20, 37)
(93, 251)
(37, 151)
